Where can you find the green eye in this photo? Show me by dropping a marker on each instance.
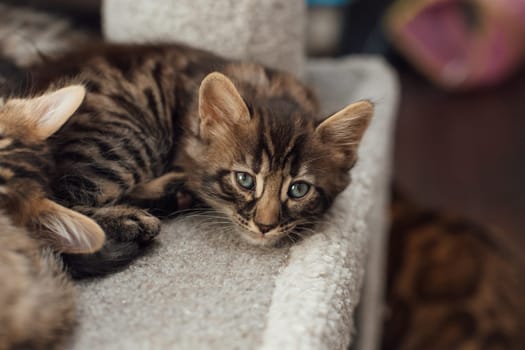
(245, 180)
(298, 190)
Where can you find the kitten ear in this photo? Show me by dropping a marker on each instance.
(220, 104)
(50, 111)
(343, 130)
(68, 231)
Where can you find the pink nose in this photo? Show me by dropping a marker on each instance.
(265, 228)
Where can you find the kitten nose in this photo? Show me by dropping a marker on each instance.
(265, 228)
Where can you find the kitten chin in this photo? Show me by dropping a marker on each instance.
(250, 234)
(258, 239)
(254, 237)
(264, 240)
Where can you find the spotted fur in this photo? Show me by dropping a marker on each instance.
(162, 122)
(451, 285)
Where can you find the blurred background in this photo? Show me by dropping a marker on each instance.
(460, 138)
(460, 134)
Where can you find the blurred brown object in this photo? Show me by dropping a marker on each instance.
(84, 13)
(451, 284)
(465, 152)
(73, 6)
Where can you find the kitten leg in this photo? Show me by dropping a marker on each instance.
(128, 231)
(163, 196)
(124, 223)
(112, 257)
(97, 196)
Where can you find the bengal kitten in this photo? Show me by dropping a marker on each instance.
(451, 285)
(37, 309)
(165, 120)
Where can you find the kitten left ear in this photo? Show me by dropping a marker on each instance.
(344, 130)
(50, 111)
(220, 104)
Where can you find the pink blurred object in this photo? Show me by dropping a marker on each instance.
(460, 44)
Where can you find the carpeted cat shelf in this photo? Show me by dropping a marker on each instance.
(203, 288)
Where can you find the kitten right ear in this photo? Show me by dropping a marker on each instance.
(220, 105)
(68, 231)
(344, 130)
(47, 113)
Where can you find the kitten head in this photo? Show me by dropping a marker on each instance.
(25, 167)
(269, 165)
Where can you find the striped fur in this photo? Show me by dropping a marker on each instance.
(37, 308)
(162, 122)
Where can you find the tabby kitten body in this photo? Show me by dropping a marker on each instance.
(160, 121)
(37, 308)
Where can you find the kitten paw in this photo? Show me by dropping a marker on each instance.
(126, 224)
(140, 226)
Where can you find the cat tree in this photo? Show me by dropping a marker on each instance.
(202, 287)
